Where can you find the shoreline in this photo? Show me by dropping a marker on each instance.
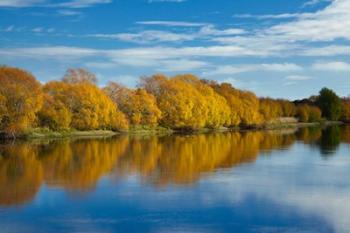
(41, 133)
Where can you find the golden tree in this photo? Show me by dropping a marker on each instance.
(244, 105)
(20, 99)
(90, 107)
(138, 105)
(345, 110)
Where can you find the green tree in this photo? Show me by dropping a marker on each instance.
(330, 104)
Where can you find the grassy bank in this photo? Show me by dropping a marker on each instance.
(44, 133)
(38, 133)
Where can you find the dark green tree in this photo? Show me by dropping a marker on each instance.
(330, 104)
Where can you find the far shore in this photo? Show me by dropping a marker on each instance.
(42, 133)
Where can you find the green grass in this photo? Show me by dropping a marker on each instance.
(47, 133)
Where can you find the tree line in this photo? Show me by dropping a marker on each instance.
(182, 102)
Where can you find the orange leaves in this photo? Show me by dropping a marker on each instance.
(345, 110)
(243, 105)
(307, 113)
(20, 100)
(139, 106)
(90, 107)
(180, 102)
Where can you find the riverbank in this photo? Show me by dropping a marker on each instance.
(44, 133)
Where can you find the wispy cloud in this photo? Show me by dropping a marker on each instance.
(66, 12)
(148, 36)
(337, 66)
(12, 29)
(181, 65)
(173, 1)
(80, 3)
(314, 2)
(46, 3)
(235, 69)
(172, 23)
(298, 78)
(20, 3)
(276, 16)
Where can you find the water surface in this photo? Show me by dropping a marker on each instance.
(276, 181)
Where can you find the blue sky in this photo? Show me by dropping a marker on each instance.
(275, 48)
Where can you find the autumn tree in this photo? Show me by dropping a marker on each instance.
(308, 113)
(138, 105)
(345, 116)
(244, 105)
(315, 114)
(182, 106)
(302, 113)
(288, 108)
(20, 99)
(79, 75)
(216, 111)
(270, 109)
(330, 104)
(54, 114)
(89, 106)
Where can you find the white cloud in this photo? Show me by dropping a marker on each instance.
(331, 66)
(68, 13)
(80, 3)
(46, 3)
(328, 24)
(301, 33)
(101, 65)
(298, 78)
(212, 31)
(332, 50)
(277, 16)
(205, 32)
(235, 69)
(147, 36)
(20, 3)
(56, 52)
(314, 2)
(172, 23)
(181, 65)
(37, 29)
(174, 1)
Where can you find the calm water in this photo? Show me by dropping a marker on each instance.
(283, 181)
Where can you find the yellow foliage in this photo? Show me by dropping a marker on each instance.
(139, 106)
(21, 174)
(270, 109)
(288, 108)
(307, 113)
(244, 105)
(54, 114)
(89, 106)
(182, 106)
(345, 110)
(20, 99)
(216, 111)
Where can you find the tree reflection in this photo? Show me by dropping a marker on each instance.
(330, 140)
(21, 174)
(183, 159)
